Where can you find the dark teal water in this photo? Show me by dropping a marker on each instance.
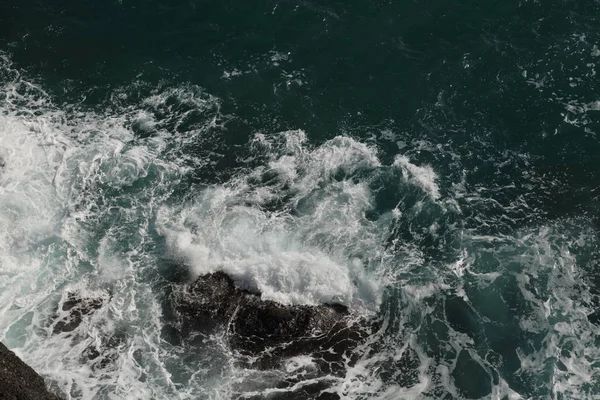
(433, 164)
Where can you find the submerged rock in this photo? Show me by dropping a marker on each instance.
(74, 308)
(18, 381)
(265, 331)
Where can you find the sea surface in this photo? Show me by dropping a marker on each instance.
(431, 164)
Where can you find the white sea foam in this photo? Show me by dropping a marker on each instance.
(77, 192)
(548, 265)
(423, 176)
(80, 193)
(83, 198)
(306, 250)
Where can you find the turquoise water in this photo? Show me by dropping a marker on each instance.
(433, 165)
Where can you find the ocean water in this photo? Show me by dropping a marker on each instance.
(432, 165)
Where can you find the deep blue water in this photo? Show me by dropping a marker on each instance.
(432, 164)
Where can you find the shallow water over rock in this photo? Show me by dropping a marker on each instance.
(266, 332)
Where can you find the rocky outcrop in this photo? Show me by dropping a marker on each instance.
(265, 331)
(18, 381)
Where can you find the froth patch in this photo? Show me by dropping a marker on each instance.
(273, 263)
(293, 229)
(77, 191)
(423, 176)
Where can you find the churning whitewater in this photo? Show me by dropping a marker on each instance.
(474, 295)
(93, 208)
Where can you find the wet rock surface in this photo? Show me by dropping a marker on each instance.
(75, 307)
(73, 310)
(18, 381)
(265, 331)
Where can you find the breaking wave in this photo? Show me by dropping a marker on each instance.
(107, 203)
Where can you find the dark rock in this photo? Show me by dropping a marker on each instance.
(327, 332)
(207, 304)
(74, 308)
(102, 355)
(18, 381)
(71, 312)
